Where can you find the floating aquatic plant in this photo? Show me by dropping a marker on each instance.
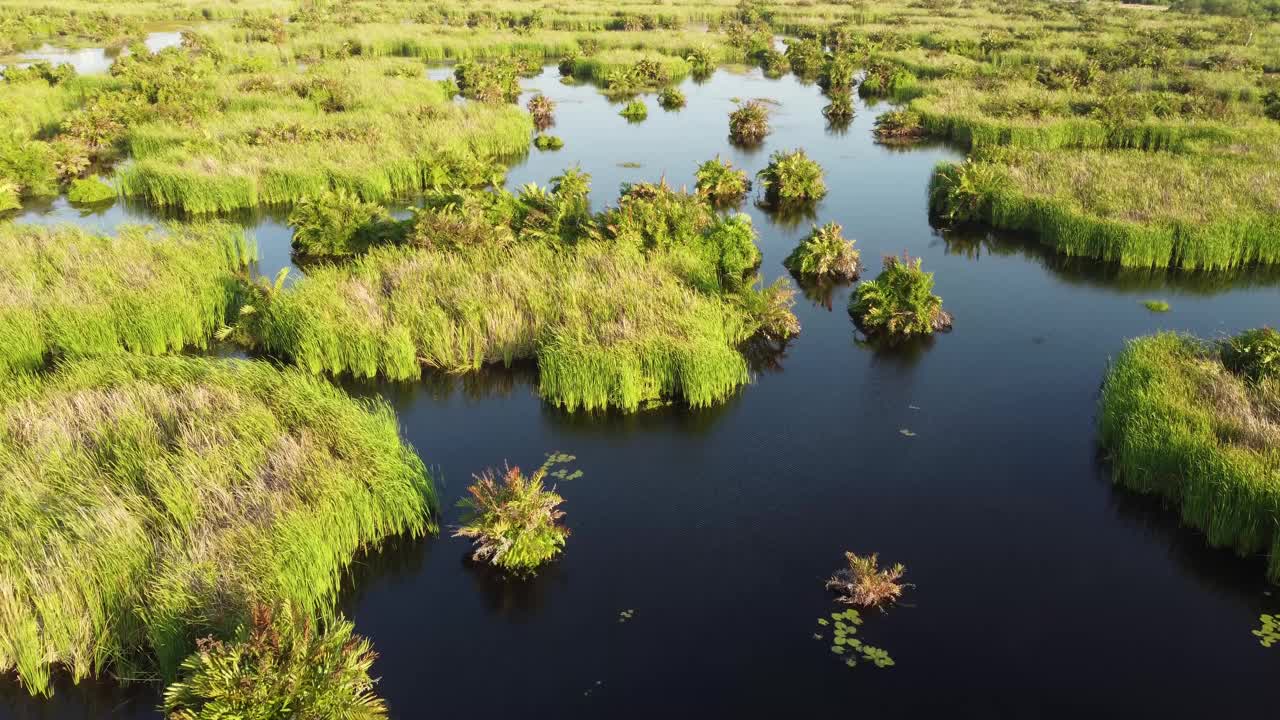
(1268, 633)
(863, 583)
(90, 191)
(1157, 306)
(635, 111)
(844, 643)
(548, 142)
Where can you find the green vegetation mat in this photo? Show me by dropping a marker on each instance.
(147, 501)
(1179, 424)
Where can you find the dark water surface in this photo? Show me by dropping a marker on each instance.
(1040, 589)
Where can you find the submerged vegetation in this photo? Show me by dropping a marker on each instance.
(515, 522)
(151, 501)
(1194, 422)
(825, 254)
(899, 302)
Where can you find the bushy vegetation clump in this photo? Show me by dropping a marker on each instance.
(792, 178)
(336, 223)
(899, 302)
(720, 181)
(635, 111)
(90, 191)
(514, 522)
(548, 142)
(647, 301)
(542, 108)
(1195, 423)
(66, 293)
(278, 666)
(671, 98)
(825, 254)
(147, 502)
(865, 584)
(493, 81)
(749, 124)
(899, 127)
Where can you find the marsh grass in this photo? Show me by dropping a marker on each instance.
(150, 501)
(635, 111)
(1178, 423)
(66, 293)
(863, 583)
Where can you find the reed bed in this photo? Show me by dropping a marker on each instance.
(65, 293)
(150, 501)
(1178, 424)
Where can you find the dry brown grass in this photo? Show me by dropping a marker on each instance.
(863, 583)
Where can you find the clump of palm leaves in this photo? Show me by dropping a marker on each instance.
(541, 108)
(774, 63)
(254, 300)
(806, 57)
(899, 302)
(825, 254)
(671, 98)
(281, 666)
(491, 81)
(839, 112)
(1253, 354)
(548, 142)
(719, 181)
(514, 522)
(635, 111)
(962, 192)
(771, 307)
(899, 126)
(335, 223)
(792, 178)
(702, 60)
(749, 123)
(863, 583)
(837, 74)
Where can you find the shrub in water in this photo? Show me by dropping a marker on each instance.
(548, 142)
(280, 667)
(1159, 306)
(825, 254)
(899, 302)
(541, 108)
(718, 180)
(1253, 354)
(490, 81)
(635, 111)
(899, 126)
(749, 123)
(671, 98)
(961, 192)
(335, 223)
(837, 75)
(90, 191)
(514, 522)
(774, 63)
(806, 57)
(792, 178)
(864, 583)
(839, 112)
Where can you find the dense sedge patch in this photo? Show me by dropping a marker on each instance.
(1179, 424)
(148, 501)
(66, 293)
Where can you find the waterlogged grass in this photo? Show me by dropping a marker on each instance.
(150, 501)
(1179, 424)
(65, 293)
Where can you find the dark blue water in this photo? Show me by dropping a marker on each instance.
(1040, 589)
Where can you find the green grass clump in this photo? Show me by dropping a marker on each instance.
(90, 191)
(548, 142)
(627, 72)
(147, 502)
(635, 111)
(899, 127)
(749, 124)
(825, 254)
(899, 302)
(542, 109)
(671, 98)
(1159, 306)
(1180, 424)
(491, 81)
(648, 301)
(720, 181)
(10, 196)
(514, 522)
(278, 666)
(1253, 354)
(792, 178)
(66, 293)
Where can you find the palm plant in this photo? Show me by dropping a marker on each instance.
(825, 254)
(899, 302)
(839, 112)
(720, 182)
(792, 178)
(635, 111)
(864, 583)
(258, 295)
(671, 98)
(541, 108)
(280, 667)
(514, 522)
(961, 193)
(334, 223)
(749, 123)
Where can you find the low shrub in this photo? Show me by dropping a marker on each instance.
(514, 523)
(863, 583)
(548, 142)
(792, 178)
(671, 98)
(899, 302)
(635, 111)
(719, 181)
(825, 254)
(335, 223)
(90, 191)
(492, 81)
(899, 127)
(1253, 354)
(806, 57)
(749, 124)
(282, 665)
